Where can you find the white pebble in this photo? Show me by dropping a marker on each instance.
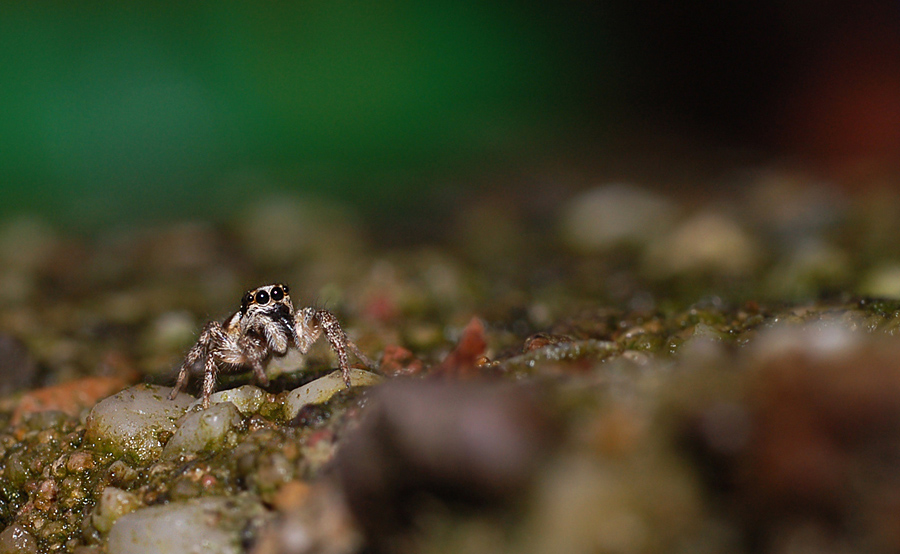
(706, 242)
(210, 525)
(131, 422)
(614, 214)
(323, 388)
(204, 430)
(113, 504)
(15, 539)
(247, 398)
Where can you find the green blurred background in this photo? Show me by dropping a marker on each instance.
(116, 112)
(139, 111)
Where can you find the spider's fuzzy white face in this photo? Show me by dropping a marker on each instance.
(268, 311)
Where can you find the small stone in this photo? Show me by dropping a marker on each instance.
(291, 362)
(79, 461)
(204, 430)
(113, 504)
(131, 422)
(248, 399)
(709, 241)
(16, 540)
(46, 493)
(612, 215)
(566, 355)
(120, 473)
(211, 525)
(323, 388)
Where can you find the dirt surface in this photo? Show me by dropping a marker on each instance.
(619, 370)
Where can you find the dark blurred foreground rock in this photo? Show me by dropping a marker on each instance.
(317, 521)
(806, 456)
(463, 444)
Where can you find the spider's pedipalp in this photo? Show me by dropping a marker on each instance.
(306, 329)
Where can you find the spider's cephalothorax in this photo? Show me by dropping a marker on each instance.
(265, 326)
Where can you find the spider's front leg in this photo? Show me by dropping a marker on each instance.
(198, 351)
(214, 347)
(309, 324)
(226, 349)
(253, 351)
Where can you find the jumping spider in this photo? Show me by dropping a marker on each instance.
(265, 326)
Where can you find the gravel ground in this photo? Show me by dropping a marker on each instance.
(622, 370)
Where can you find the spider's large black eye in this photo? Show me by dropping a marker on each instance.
(277, 294)
(262, 297)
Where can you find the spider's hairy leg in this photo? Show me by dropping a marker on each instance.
(309, 324)
(339, 342)
(209, 379)
(254, 355)
(218, 347)
(194, 354)
(358, 353)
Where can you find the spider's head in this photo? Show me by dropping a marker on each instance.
(267, 312)
(269, 300)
